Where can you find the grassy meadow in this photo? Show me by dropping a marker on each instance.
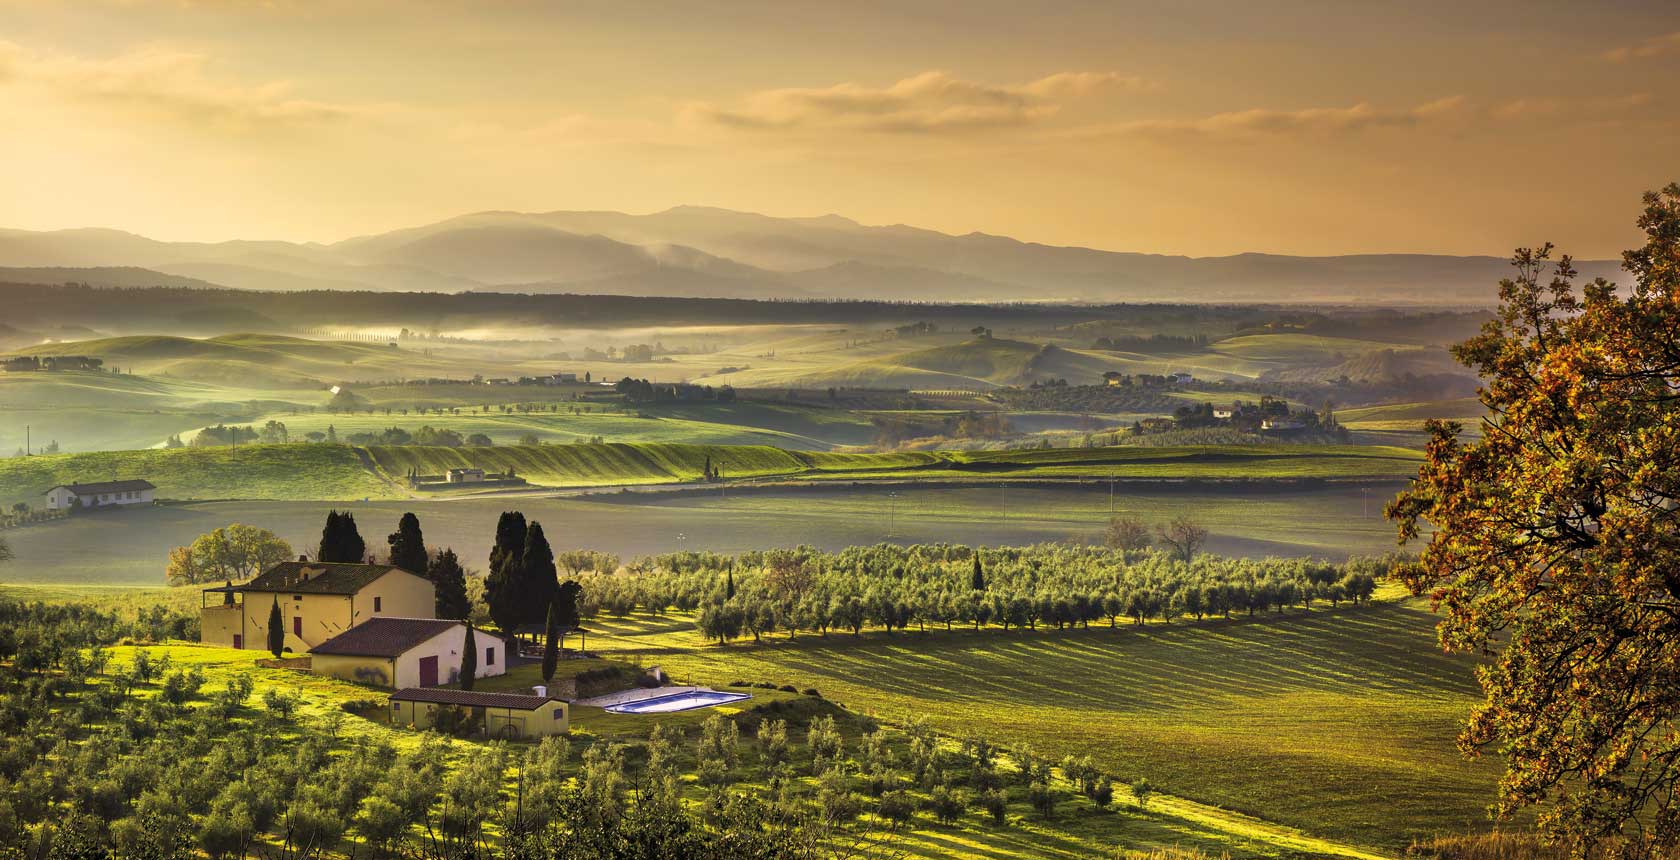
(131, 547)
(1340, 724)
(336, 472)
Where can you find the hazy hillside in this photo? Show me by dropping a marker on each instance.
(706, 252)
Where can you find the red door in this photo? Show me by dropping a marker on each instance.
(297, 626)
(238, 641)
(428, 671)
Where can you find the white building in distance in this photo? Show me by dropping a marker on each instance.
(100, 495)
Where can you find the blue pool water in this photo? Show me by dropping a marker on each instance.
(678, 702)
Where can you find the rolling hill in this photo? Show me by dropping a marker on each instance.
(691, 250)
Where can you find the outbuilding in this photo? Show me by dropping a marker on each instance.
(407, 652)
(503, 715)
(100, 495)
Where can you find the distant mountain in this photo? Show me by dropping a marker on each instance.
(707, 252)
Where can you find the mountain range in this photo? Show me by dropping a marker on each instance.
(692, 251)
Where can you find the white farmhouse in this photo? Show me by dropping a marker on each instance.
(100, 495)
(407, 652)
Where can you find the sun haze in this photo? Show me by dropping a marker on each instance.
(1215, 128)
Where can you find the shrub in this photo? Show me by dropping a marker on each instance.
(1042, 798)
(812, 691)
(946, 805)
(896, 807)
(996, 804)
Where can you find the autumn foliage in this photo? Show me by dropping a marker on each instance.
(1556, 543)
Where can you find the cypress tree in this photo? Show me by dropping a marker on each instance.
(449, 581)
(340, 541)
(469, 660)
(276, 629)
(408, 545)
(504, 587)
(729, 584)
(978, 583)
(551, 645)
(541, 578)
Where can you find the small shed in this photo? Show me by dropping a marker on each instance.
(503, 715)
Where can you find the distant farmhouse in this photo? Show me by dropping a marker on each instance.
(407, 652)
(464, 476)
(317, 602)
(100, 495)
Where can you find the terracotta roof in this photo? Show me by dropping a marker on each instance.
(107, 487)
(471, 698)
(305, 577)
(384, 637)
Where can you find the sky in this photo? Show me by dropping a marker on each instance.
(1201, 128)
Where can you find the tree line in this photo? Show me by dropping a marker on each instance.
(893, 588)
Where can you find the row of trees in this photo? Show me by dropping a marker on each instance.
(892, 588)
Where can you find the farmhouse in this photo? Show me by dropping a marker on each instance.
(100, 495)
(1183, 377)
(503, 715)
(317, 602)
(464, 476)
(407, 652)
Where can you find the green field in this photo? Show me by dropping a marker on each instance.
(338, 473)
(1338, 723)
(1410, 416)
(131, 547)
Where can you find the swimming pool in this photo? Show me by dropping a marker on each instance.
(686, 701)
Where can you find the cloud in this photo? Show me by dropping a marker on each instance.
(1262, 122)
(1654, 46)
(1542, 108)
(929, 102)
(172, 84)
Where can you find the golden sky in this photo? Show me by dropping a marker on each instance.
(1195, 128)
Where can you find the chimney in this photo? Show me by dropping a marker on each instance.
(540, 690)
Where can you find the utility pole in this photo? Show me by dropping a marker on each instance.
(28, 444)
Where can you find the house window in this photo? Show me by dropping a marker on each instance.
(297, 598)
(489, 656)
(377, 603)
(559, 714)
(396, 706)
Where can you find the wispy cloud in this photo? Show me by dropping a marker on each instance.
(1263, 122)
(172, 84)
(1654, 46)
(929, 102)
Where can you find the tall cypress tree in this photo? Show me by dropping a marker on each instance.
(504, 587)
(276, 629)
(449, 581)
(551, 645)
(978, 581)
(408, 545)
(469, 660)
(729, 584)
(541, 578)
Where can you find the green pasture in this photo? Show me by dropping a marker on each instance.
(131, 547)
(1339, 723)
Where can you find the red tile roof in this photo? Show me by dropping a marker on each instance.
(472, 698)
(384, 637)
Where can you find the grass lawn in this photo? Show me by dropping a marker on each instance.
(131, 547)
(1339, 723)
